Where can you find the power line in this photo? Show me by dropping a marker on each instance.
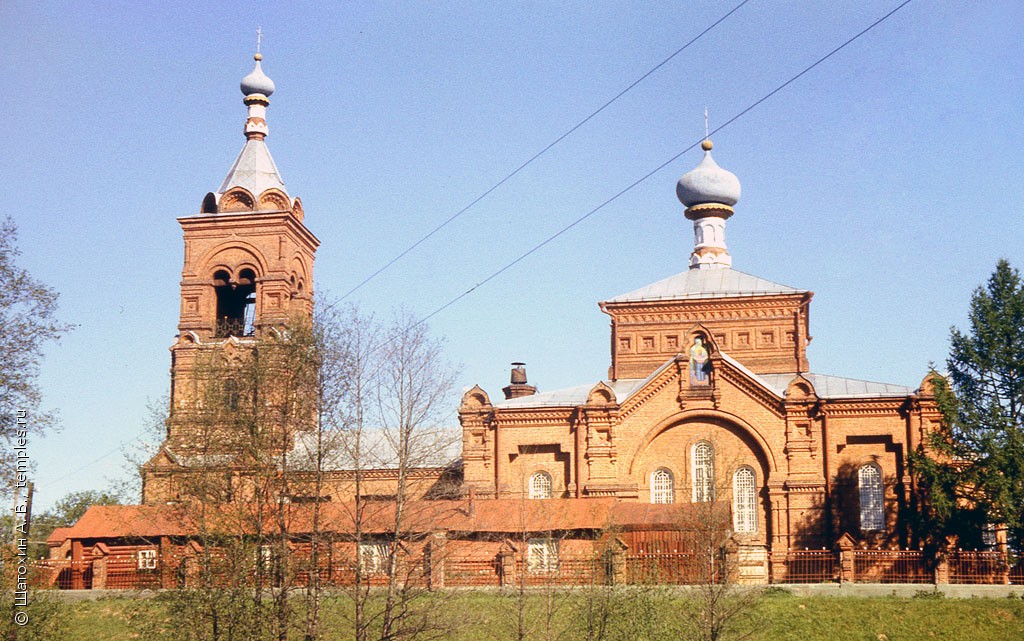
(119, 448)
(590, 213)
(643, 178)
(540, 153)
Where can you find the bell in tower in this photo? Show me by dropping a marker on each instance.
(247, 276)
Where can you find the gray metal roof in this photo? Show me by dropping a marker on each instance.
(572, 396)
(830, 387)
(431, 447)
(254, 170)
(705, 283)
(826, 387)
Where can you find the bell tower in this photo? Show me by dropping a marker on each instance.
(248, 272)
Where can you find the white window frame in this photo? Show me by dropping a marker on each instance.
(542, 556)
(663, 486)
(146, 559)
(703, 471)
(744, 500)
(872, 497)
(374, 556)
(540, 486)
(265, 556)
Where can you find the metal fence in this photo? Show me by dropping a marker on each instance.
(123, 572)
(891, 566)
(472, 572)
(804, 566)
(978, 568)
(1016, 572)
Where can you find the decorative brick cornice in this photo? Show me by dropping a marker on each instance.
(864, 407)
(768, 306)
(258, 221)
(532, 417)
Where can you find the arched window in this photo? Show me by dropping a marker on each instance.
(744, 500)
(872, 506)
(540, 485)
(662, 486)
(703, 472)
(236, 303)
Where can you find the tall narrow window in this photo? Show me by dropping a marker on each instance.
(542, 556)
(662, 490)
(265, 557)
(872, 506)
(540, 485)
(744, 499)
(703, 472)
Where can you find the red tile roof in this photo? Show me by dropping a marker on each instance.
(126, 521)
(58, 536)
(489, 516)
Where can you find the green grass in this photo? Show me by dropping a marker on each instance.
(637, 616)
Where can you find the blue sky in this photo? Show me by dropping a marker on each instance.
(885, 180)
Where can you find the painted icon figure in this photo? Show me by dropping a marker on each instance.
(698, 363)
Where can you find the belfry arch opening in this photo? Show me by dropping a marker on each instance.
(236, 303)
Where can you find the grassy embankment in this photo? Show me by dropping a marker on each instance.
(492, 616)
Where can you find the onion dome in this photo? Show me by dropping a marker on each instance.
(708, 183)
(257, 82)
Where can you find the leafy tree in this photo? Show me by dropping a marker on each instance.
(65, 513)
(280, 427)
(72, 506)
(973, 474)
(27, 316)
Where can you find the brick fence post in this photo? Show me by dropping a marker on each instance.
(777, 565)
(165, 558)
(942, 567)
(99, 573)
(847, 568)
(435, 560)
(77, 566)
(507, 563)
(617, 566)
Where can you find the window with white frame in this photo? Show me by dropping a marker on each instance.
(744, 500)
(872, 506)
(540, 485)
(542, 556)
(703, 472)
(265, 557)
(662, 486)
(146, 559)
(373, 557)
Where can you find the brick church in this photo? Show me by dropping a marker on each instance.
(709, 398)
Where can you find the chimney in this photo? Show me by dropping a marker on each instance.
(517, 385)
